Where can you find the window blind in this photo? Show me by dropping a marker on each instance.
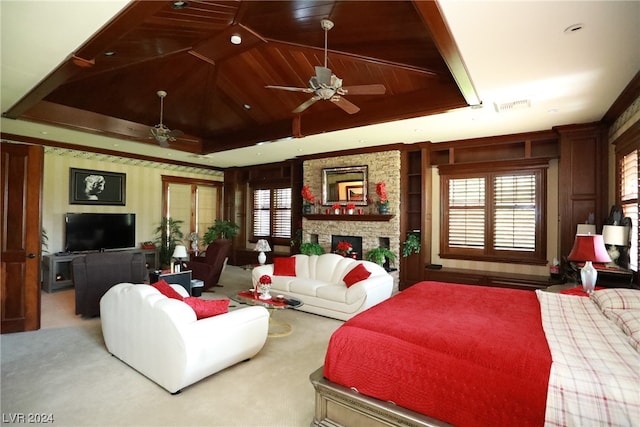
(272, 213)
(629, 183)
(466, 212)
(515, 212)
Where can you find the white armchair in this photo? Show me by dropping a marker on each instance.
(161, 338)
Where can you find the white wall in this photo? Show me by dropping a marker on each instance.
(143, 190)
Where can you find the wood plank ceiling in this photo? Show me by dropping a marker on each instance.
(216, 90)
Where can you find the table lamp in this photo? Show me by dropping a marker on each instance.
(179, 253)
(589, 248)
(614, 236)
(263, 246)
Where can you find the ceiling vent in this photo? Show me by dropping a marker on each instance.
(512, 106)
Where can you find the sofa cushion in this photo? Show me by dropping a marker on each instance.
(306, 286)
(284, 266)
(165, 289)
(207, 308)
(356, 274)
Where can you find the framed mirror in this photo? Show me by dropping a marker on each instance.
(345, 185)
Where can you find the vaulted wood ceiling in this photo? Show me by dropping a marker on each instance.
(216, 90)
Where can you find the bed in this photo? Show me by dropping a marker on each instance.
(447, 354)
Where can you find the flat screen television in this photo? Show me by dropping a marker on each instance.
(98, 231)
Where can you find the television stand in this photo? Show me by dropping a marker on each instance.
(56, 268)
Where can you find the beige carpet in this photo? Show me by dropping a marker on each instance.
(64, 369)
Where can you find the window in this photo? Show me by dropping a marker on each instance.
(629, 200)
(272, 214)
(494, 215)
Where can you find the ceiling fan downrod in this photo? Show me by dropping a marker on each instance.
(326, 25)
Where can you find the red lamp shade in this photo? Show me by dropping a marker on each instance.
(589, 247)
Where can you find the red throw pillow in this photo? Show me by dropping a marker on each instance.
(284, 266)
(165, 289)
(207, 308)
(357, 273)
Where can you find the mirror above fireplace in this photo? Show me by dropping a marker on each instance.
(345, 185)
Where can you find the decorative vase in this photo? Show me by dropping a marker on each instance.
(336, 211)
(383, 209)
(306, 208)
(263, 290)
(350, 211)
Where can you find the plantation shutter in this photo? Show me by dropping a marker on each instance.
(282, 212)
(515, 212)
(262, 212)
(629, 182)
(466, 212)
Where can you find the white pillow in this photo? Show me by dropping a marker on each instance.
(617, 299)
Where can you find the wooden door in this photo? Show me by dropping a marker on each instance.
(21, 206)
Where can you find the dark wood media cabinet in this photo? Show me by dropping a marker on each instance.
(490, 278)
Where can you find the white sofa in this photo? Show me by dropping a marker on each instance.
(161, 338)
(318, 283)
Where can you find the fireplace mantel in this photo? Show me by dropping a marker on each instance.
(354, 217)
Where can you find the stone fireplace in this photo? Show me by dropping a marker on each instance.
(382, 166)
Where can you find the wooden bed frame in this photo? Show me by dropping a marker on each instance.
(337, 405)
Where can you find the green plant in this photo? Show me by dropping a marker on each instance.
(167, 236)
(309, 248)
(380, 254)
(411, 245)
(221, 229)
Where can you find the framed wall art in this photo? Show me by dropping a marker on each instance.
(91, 187)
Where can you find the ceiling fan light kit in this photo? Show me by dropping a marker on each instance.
(327, 86)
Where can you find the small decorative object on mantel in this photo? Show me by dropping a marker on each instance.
(308, 199)
(344, 248)
(383, 201)
(264, 286)
(351, 208)
(336, 208)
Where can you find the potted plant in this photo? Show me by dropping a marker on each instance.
(383, 200)
(412, 244)
(379, 255)
(221, 229)
(308, 199)
(309, 248)
(167, 236)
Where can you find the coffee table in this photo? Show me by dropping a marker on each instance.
(279, 302)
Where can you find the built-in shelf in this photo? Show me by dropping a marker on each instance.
(354, 217)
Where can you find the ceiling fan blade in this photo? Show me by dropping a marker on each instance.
(323, 76)
(347, 106)
(306, 104)
(291, 89)
(375, 89)
(175, 133)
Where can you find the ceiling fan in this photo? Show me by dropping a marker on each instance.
(160, 132)
(326, 85)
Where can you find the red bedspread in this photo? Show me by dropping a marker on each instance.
(466, 355)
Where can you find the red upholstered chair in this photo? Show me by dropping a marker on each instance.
(208, 268)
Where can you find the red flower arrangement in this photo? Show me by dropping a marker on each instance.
(343, 248)
(265, 279)
(381, 191)
(351, 206)
(335, 206)
(307, 195)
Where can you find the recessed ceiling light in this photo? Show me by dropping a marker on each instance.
(109, 53)
(573, 28)
(246, 106)
(44, 132)
(179, 5)
(236, 39)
